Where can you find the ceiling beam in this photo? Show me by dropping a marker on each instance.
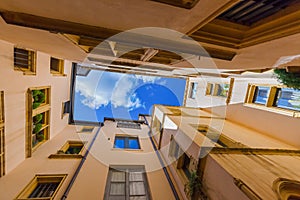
(149, 54)
(100, 33)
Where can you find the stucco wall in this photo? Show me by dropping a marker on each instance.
(15, 181)
(15, 84)
(91, 181)
(282, 127)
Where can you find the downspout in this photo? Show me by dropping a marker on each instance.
(65, 195)
(162, 163)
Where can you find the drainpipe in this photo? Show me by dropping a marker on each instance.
(162, 163)
(65, 195)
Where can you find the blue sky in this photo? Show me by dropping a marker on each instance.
(118, 95)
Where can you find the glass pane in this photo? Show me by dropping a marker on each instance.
(288, 98)
(261, 95)
(74, 149)
(135, 176)
(222, 90)
(193, 90)
(118, 177)
(137, 188)
(133, 143)
(117, 189)
(120, 143)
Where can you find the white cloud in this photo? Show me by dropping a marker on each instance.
(91, 98)
(118, 89)
(147, 79)
(123, 93)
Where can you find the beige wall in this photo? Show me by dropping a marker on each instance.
(15, 84)
(91, 181)
(239, 90)
(281, 127)
(15, 181)
(257, 171)
(219, 183)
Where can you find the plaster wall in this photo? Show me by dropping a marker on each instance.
(15, 181)
(91, 181)
(15, 84)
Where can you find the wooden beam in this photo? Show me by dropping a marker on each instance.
(100, 33)
(256, 151)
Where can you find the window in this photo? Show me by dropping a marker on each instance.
(25, 61)
(42, 187)
(71, 149)
(186, 165)
(127, 182)
(126, 142)
(287, 98)
(38, 118)
(2, 136)
(193, 90)
(217, 89)
(274, 98)
(174, 150)
(65, 108)
(218, 138)
(128, 124)
(261, 95)
(57, 66)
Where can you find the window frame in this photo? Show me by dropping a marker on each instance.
(44, 109)
(127, 169)
(64, 106)
(31, 69)
(60, 66)
(60, 154)
(41, 178)
(2, 135)
(212, 89)
(193, 90)
(126, 142)
(271, 99)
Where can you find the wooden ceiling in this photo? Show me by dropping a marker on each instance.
(247, 23)
(251, 22)
(248, 12)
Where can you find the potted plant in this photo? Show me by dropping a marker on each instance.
(290, 79)
(37, 128)
(37, 119)
(193, 185)
(38, 98)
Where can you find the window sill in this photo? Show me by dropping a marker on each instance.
(25, 71)
(222, 97)
(131, 150)
(57, 73)
(66, 156)
(281, 111)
